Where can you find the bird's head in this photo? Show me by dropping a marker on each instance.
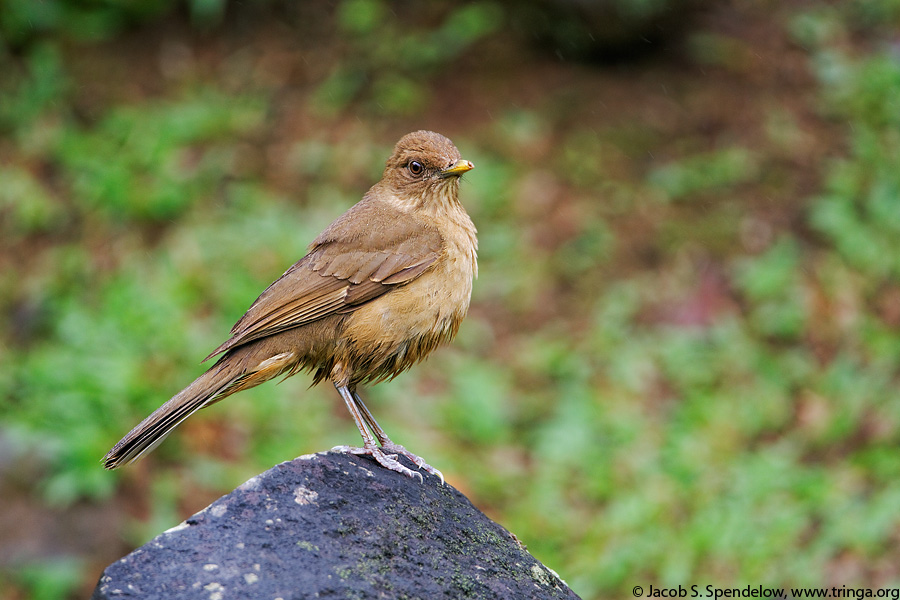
(425, 167)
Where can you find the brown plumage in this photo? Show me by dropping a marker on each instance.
(380, 288)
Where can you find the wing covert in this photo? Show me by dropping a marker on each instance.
(359, 257)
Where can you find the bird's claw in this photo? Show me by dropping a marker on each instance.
(389, 461)
(417, 460)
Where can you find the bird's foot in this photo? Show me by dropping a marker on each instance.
(389, 461)
(417, 460)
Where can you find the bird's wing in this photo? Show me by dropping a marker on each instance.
(360, 256)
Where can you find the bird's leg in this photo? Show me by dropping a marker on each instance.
(370, 447)
(386, 442)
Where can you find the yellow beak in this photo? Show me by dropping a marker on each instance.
(458, 168)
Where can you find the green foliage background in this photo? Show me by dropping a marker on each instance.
(666, 377)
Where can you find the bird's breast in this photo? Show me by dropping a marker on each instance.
(432, 305)
(409, 321)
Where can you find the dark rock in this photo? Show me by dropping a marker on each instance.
(332, 525)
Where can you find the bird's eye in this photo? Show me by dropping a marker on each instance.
(415, 168)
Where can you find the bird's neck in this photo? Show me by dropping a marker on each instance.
(440, 208)
(434, 202)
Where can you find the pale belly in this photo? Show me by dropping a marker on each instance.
(401, 327)
(432, 306)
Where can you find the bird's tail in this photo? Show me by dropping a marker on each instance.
(229, 375)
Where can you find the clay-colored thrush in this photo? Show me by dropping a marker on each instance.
(379, 289)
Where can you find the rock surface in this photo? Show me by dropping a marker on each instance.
(332, 525)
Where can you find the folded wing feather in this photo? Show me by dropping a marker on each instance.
(352, 262)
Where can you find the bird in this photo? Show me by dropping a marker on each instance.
(379, 289)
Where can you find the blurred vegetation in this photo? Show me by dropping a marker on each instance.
(602, 30)
(665, 377)
(22, 21)
(391, 75)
